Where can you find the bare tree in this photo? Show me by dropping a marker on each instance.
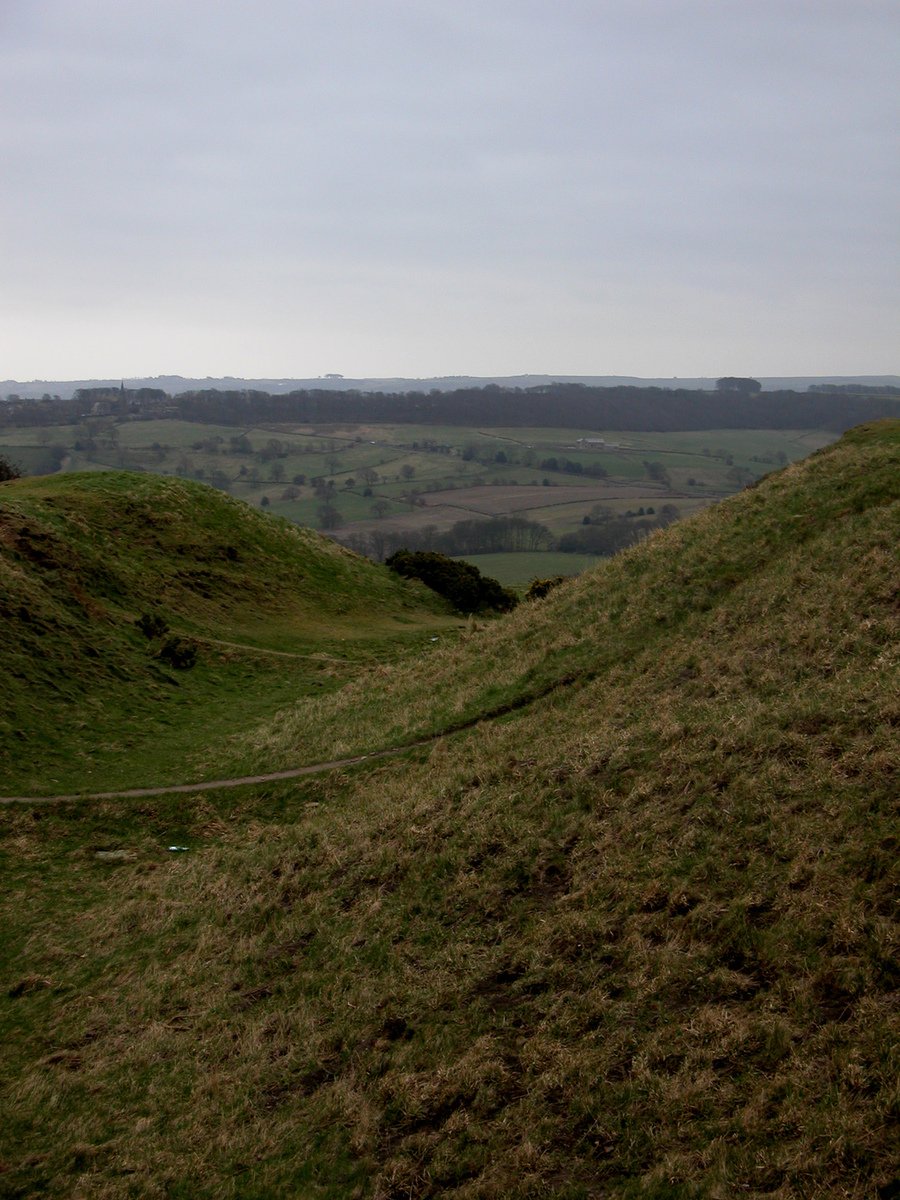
(329, 517)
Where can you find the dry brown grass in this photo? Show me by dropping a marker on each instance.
(638, 939)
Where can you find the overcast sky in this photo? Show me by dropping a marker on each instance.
(430, 187)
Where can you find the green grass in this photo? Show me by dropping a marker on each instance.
(532, 649)
(634, 938)
(89, 704)
(518, 569)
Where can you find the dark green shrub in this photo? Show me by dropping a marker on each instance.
(177, 652)
(459, 582)
(151, 625)
(539, 588)
(9, 470)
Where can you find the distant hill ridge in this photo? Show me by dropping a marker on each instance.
(173, 384)
(560, 404)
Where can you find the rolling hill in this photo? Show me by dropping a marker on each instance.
(106, 578)
(625, 928)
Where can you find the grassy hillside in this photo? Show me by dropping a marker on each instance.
(753, 561)
(83, 557)
(635, 938)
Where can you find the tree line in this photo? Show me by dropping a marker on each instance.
(561, 405)
(568, 406)
(602, 532)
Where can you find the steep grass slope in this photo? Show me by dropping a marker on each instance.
(783, 552)
(82, 557)
(635, 939)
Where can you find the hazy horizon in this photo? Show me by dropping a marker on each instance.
(175, 383)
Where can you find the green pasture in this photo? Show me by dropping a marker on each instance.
(701, 466)
(516, 570)
(177, 434)
(351, 505)
(36, 435)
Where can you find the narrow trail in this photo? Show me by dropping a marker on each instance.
(211, 641)
(211, 785)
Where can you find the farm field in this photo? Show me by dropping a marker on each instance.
(378, 486)
(518, 569)
(503, 500)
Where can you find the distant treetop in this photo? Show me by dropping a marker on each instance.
(732, 383)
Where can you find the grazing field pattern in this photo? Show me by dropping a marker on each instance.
(377, 487)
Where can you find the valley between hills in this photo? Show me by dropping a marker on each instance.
(598, 898)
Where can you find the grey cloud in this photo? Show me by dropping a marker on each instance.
(582, 163)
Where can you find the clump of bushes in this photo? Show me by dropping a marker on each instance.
(459, 582)
(178, 652)
(151, 625)
(9, 470)
(174, 651)
(539, 588)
